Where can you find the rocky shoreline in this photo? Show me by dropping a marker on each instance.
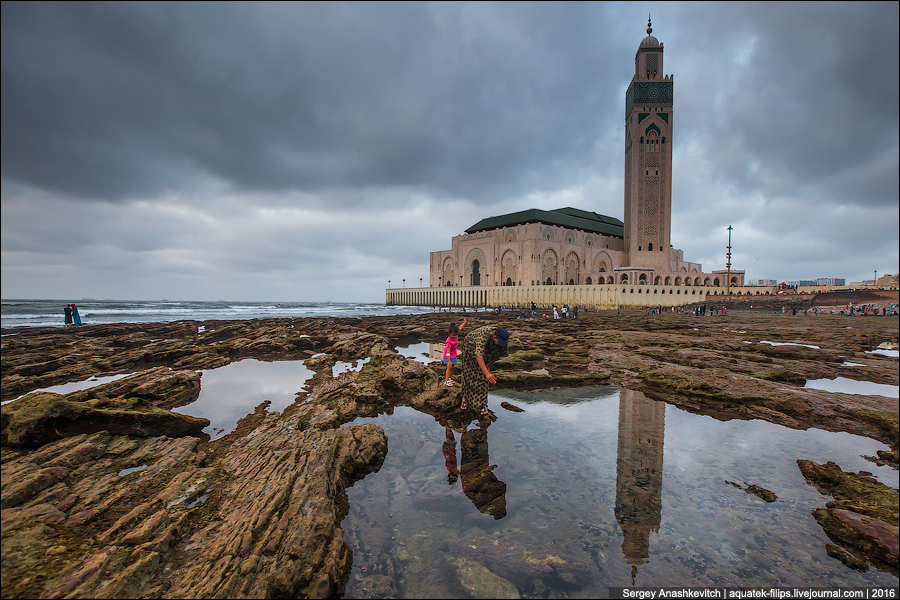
(108, 493)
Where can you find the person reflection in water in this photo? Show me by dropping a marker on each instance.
(449, 449)
(479, 483)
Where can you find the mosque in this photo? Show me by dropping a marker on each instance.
(597, 260)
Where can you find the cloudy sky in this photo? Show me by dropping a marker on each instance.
(311, 152)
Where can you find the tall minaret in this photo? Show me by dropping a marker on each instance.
(648, 159)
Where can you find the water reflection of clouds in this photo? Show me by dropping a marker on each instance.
(230, 393)
(420, 351)
(852, 386)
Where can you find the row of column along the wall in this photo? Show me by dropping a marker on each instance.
(591, 296)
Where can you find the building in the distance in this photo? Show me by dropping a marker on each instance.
(569, 246)
(830, 281)
(763, 282)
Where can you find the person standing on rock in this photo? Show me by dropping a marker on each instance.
(481, 349)
(450, 353)
(76, 318)
(68, 313)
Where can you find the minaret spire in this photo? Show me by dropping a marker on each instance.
(649, 26)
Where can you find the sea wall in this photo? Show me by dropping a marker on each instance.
(598, 297)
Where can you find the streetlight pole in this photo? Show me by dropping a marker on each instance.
(404, 284)
(728, 265)
(420, 282)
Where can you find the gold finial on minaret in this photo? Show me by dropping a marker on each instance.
(649, 27)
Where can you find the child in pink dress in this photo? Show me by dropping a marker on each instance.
(450, 352)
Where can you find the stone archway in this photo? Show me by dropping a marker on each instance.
(448, 274)
(509, 263)
(549, 267)
(474, 266)
(573, 269)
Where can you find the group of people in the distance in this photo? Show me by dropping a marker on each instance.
(73, 319)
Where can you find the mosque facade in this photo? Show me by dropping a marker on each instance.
(573, 247)
(569, 246)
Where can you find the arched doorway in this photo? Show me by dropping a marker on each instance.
(476, 273)
(508, 281)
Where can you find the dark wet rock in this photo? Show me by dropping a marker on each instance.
(862, 518)
(761, 492)
(756, 490)
(850, 559)
(43, 417)
(511, 407)
(479, 582)
(517, 562)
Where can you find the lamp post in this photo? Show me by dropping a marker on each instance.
(404, 284)
(728, 265)
(460, 280)
(420, 282)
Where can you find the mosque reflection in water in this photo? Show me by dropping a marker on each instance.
(639, 470)
(639, 474)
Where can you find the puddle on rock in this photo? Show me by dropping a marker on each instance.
(852, 386)
(891, 353)
(229, 393)
(789, 344)
(419, 351)
(75, 386)
(345, 367)
(130, 470)
(591, 488)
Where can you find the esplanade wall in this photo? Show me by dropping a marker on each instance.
(598, 297)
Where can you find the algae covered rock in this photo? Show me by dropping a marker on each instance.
(862, 518)
(43, 417)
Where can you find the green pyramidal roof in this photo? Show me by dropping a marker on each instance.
(565, 217)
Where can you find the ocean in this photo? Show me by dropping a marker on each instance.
(49, 313)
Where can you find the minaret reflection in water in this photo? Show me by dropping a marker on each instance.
(639, 469)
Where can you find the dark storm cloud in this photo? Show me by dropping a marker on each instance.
(809, 101)
(276, 151)
(121, 100)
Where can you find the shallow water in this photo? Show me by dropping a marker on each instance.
(623, 489)
(65, 388)
(891, 353)
(789, 344)
(420, 351)
(852, 386)
(229, 393)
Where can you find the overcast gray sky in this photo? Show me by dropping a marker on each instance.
(312, 152)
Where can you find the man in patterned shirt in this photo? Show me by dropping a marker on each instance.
(481, 349)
